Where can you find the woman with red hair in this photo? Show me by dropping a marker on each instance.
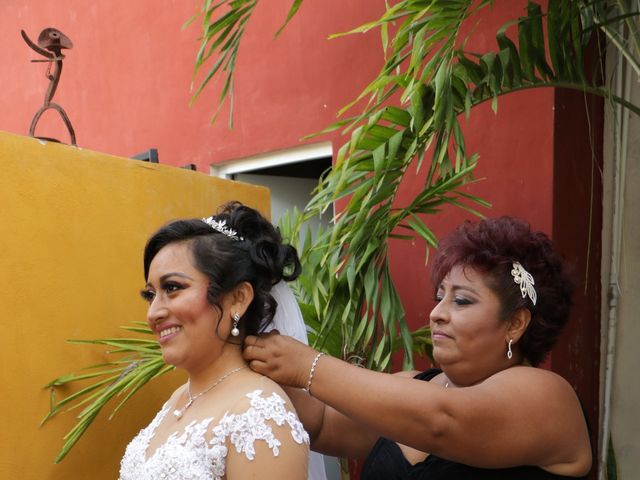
(502, 299)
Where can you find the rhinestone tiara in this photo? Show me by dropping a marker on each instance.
(221, 226)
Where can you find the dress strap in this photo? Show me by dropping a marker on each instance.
(427, 375)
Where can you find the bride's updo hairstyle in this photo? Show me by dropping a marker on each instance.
(491, 247)
(235, 245)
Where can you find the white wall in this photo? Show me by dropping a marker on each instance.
(623, 341)
(286, 192)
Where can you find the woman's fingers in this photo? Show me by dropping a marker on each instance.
(258, 366)
(251, 340)
(261, 348)
(258, 340)
(282, 358)
(254, 352)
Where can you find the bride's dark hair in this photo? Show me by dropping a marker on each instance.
(259, 258)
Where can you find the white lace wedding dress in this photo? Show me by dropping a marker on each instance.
(200, 450)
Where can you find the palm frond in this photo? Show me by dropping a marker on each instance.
(220, 44)
(139, 361)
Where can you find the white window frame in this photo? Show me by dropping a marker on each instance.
(302, 153)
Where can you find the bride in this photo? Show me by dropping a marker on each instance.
(208, 286)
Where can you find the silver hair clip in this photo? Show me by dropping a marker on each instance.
(525, 280)
(221, 226)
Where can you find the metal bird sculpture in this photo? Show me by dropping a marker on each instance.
(51, 42)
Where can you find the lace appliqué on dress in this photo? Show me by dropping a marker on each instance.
(190, 456)
(243, 430)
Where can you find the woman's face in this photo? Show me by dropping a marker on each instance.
(179, 313)
(466, 328)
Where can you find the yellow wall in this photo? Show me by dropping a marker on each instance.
(73, 224)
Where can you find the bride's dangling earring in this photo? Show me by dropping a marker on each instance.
(234, 330)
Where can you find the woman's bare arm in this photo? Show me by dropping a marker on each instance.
(520, 416)
(331, 432)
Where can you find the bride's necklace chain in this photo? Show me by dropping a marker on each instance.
(192, 398)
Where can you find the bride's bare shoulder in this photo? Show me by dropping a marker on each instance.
(177, 392)
(265, 385)
(269, 386)
(252, 386)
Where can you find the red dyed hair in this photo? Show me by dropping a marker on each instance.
(490, 247)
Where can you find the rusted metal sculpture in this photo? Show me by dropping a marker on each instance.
(51, 41)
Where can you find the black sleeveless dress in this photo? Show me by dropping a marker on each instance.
(386, 462)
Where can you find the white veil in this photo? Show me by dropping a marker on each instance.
(288, 321)
(288, 318)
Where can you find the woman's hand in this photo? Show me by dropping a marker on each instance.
(281, 358)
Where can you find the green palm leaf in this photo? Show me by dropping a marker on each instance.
(221, 37)
(138, 361)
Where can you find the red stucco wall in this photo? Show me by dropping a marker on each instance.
(125, 84)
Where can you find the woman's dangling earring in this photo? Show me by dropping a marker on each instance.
(236, 319)
(509, 352)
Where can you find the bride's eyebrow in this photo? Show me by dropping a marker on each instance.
(171, 274)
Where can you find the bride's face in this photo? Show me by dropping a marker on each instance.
(180, 315)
